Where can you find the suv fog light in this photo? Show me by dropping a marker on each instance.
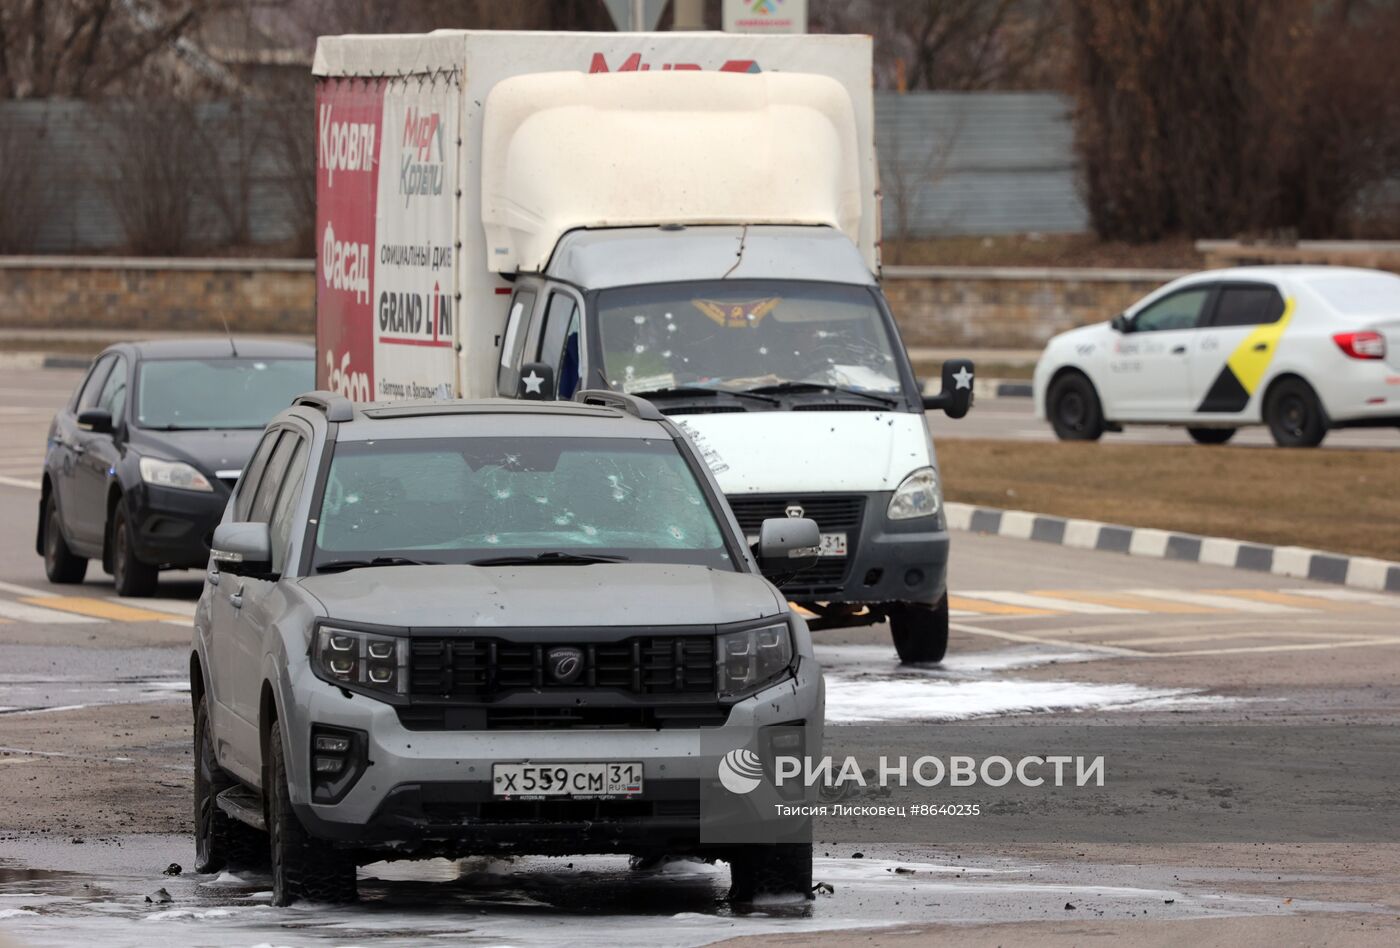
(340, 756)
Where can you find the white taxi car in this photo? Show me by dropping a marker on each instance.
(1300, 349)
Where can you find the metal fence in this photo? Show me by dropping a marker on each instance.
(950, 164)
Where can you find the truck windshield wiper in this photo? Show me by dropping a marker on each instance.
(787, 387)
(686, 391)
(550, 558)
(337, 566)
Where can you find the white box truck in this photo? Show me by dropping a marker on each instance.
(688, 217)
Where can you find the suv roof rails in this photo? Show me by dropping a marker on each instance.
(333, 405)
(638, 407)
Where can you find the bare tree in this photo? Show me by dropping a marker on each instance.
(23, 200)
(913, 160)
(149, 167)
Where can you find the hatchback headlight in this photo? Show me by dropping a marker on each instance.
(750, 659)
(361, 660)
(173, 474)
(918, 496)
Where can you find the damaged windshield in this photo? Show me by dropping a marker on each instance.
(462, 500)
(746, 335)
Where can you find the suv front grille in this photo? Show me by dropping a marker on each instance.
(473, 668)
(834, 513)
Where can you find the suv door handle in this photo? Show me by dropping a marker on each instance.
(213, 577)
(235, 599)
(77, 448)
(1179, 350)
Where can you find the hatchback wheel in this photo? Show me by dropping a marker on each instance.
(131, 576)
(60, 564)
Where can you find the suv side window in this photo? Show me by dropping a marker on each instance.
(271, 480)
(92, 385)
(281, 525)
(559, 344)
(1179, 311)
(113, 397)
(1247, 305)
(514, 342)
(248, 481)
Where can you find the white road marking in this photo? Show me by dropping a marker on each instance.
(1048, 602)
(1310, 647)
(179, 607)
(1216, 602)
(19, 482)
(1347, 595)
(1043, 640)
(25, 613)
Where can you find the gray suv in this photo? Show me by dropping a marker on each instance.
(482, 627)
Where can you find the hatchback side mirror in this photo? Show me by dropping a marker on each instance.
(787, 545)
(242, 548)
(955, 398)
(96, 419)
(536, 382)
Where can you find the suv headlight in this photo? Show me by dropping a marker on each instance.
(173, 474)
(361, 660)
(918, 496)
(750, 659)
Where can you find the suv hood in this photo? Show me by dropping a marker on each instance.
(606, 594)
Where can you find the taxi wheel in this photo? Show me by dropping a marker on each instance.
(920, 632)
(1211, 435)
(1074, 409)
(1294, 415)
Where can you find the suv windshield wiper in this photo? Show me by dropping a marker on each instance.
(788, 387)
(336, 566)
(686, 391)
(550, 558)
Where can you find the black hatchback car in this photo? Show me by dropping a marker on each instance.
(142, 459)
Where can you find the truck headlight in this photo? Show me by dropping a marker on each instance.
(361, 660)
(173, 474)
(752, 658)
(918, 496)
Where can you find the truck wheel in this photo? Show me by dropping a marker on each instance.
(131, 576)
(1074, 409)
(302, 867)
(1294, 415)
(780, 869)
(219, 839)
(920, 632)
(60, 565)
(1211, 435)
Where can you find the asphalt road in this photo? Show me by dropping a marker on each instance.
(95, 778)
(1014, 419)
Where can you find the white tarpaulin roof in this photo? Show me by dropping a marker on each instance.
(564, 150)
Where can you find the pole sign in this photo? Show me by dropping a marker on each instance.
(765, 16)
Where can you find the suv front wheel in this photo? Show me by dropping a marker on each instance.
(303, 868)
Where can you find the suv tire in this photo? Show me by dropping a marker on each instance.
(303, 868)
(1074, 409)
(130, 576)
(920, 632)
(777, 869)
(60, 565)
(219, 839)
(1211, 435)
(1294, 415)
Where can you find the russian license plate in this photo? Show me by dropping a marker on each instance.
(832, 544)
(535, 781)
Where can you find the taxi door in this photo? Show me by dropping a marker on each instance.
(1234, 348)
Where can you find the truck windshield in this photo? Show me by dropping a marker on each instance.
(174, 394)
(745, 334)
(464, 500)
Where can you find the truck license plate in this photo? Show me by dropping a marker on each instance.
(535, 781)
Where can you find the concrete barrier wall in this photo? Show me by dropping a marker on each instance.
(935, 306)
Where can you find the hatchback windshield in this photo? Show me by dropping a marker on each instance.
(477, 499)
(736, 335)
(218, 393)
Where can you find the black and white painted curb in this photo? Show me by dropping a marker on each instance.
(989, 388)
(1362, 572)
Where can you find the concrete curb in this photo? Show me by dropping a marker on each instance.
(1361, 572)
(988, 388)
(42, 360)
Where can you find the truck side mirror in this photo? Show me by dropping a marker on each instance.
(536, 382)
(956, 396)
(244, 549)
(787, 545)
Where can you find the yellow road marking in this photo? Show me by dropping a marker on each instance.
(97, 608)
(1287, 599)
(993, 608)
(1126, 601)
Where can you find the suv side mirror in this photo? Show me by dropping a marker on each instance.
(1120, 323)
(787, 545)
(956, 396)
(536, 382)
(242, 548)
(96, 419)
